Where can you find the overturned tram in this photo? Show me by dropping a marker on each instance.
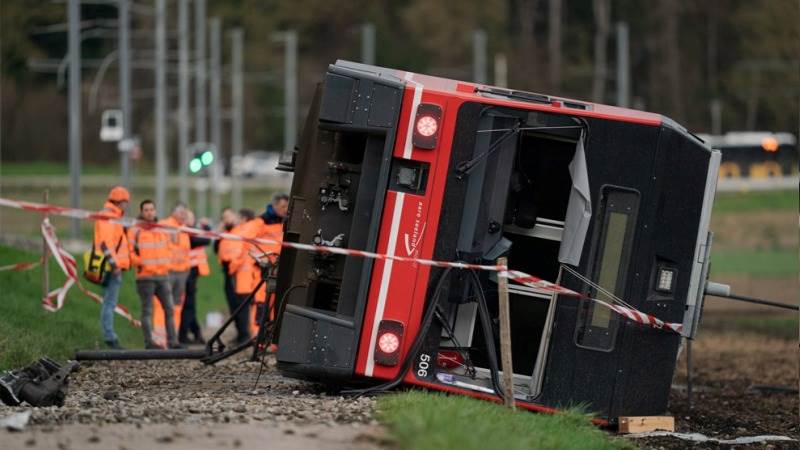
(609, 202)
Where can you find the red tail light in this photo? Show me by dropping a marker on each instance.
(389, 342)
(427, 125)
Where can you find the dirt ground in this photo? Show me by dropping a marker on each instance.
(744, 384)
(184, 404)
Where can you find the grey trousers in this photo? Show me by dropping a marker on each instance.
(177, 283)
(161, 288)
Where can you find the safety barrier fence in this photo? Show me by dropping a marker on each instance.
(69, 266)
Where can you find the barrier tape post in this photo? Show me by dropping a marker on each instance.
(505, 337)
(535, 283)
(45, 253)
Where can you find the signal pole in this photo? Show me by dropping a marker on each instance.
(201, 183)
(123, 51)
(500, 70)
(183, 98)
(161, 105)
(368, 43)
(215, 26)
(237, 113)
(623, 66)
(74, 43)
(290, 86)
(479, 56)
(200, 71)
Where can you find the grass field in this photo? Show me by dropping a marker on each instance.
(422, 421)
(50, 168)
(756, 201)
(28, 332)
(758, 263)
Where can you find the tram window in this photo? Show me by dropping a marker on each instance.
(597, 325)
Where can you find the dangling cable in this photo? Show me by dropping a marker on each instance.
(488, 334)
(415, 347)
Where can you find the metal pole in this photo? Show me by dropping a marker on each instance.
(45, 253)
(200, 186)
(623, 66)
(200, 71)
(123, 51)
(290, 85)
(505, 337)
(183, 99)
(161, 105)
(74, 13)
(500, 70)
(368, 43)
(757, 301)
(716, 116)
(215, 29)
(479, 56)
(237, 112)
(689, 373)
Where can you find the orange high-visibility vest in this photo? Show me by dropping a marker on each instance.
(242, 265)
(179, 247)
(228, 249)
(110, 239)
(273, 231)
(150, 253)
(199, 258)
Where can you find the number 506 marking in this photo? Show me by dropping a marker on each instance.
(424, 364)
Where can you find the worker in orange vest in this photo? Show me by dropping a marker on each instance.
(247, 273)
(273, 218)
(233, 251)
(198, 261)
(179, 250)
(226, 251)
(111, 242)
(151, 259)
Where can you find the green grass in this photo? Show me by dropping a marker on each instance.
(50, 168)
(756, 201)
(421, 420)
(28, 332)
(757, 263)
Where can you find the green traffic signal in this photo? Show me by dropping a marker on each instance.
(207, 157)
(195, 165)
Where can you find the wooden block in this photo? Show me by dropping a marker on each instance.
(643, 424)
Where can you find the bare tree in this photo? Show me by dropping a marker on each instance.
(602, 23)
(554, 42)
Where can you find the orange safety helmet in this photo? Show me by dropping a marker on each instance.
(119, 194)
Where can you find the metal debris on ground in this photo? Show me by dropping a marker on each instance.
(43, 383)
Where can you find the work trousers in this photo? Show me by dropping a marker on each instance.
(110, 298)
(242, 319)
(177, 283)
(160, 287)
(189, 322)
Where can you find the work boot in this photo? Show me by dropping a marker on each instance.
(114, 344)
(176, 346)
(153, 346)
(199, 339)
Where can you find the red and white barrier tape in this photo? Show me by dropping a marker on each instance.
(514, 275)
(70, 268)
(19, 267)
